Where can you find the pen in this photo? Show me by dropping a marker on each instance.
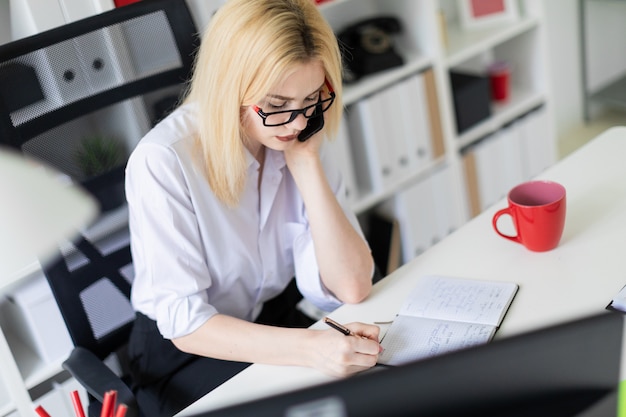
(108, 403)
(41, 412)
(78, 406)
(340, 328)
(343, 329)
(121, 410)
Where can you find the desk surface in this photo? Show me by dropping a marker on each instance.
(576, 279)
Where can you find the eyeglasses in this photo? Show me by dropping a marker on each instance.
(283, 117)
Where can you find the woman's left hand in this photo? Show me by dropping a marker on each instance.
(300, 154)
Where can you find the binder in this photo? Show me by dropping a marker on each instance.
(372, 155)
(432, 100)
(513, 168)
(488, 170)
(539, 147)
(415, 212)
(397, 136)
(471, 182)
(446, 203)
(420, 216)
(510, 156)
(340, 148)
(413, 112)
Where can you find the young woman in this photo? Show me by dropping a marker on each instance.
(231, 197)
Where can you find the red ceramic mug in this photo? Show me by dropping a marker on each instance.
(537, 209)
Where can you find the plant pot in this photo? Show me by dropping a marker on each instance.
(108, 188)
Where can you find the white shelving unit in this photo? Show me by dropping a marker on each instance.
(427, 46)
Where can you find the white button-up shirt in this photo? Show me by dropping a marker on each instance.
(194, 256)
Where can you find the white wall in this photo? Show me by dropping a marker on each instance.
(563, 32)
(606, 31)
(606, 54)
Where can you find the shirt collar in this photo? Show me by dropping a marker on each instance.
(274, 160)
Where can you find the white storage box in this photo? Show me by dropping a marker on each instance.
(31, 313)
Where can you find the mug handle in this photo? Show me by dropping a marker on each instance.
(494, 222)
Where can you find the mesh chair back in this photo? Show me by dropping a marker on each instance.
(91, 285)
(113, 75)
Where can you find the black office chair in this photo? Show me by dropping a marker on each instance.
(108, 78)
(81, 96)
(91, 284)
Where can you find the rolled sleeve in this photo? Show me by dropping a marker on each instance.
(307, 271)
(172, 278)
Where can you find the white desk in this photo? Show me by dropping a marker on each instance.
(576, 279)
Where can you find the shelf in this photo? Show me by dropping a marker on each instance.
(104, 225)
(521, 102)
(33, 369)
(464, 44)
(375, 82)
(371, 199)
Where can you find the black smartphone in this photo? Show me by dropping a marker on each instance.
(314, 125)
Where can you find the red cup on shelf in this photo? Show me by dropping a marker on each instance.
(500, 80)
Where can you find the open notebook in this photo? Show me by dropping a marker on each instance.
(443, 314)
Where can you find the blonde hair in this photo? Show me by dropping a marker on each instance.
(247, 48)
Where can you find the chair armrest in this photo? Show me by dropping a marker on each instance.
(97, 378)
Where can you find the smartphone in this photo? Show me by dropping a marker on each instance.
(314, 125)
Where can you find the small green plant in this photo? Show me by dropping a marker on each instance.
(99, 154)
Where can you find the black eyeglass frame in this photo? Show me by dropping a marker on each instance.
(302, 111)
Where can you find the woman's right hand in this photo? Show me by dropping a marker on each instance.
(339, 355)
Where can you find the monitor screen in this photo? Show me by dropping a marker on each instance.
(571, 369)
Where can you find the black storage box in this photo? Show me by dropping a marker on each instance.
(471, 99)
(19, 86)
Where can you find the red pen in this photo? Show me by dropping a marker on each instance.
(121, 410)
(113, 402)
(41, 412)
(108, 404)
(78, 406)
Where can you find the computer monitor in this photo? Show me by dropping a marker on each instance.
(570, 369)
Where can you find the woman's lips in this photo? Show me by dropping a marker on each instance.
(286, 138)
